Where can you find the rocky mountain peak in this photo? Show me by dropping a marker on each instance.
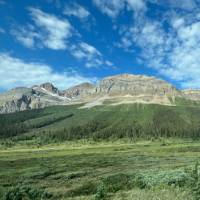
(114, 90)
(49, 87)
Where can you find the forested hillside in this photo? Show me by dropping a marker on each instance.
(134, 121)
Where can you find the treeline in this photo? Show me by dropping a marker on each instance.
(161, 122)
(97, 131)
(102, 123)
(12, 124)
(20, 123)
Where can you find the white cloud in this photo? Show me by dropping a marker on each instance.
(187, 5)
(112, 8)
(177, 23)
(136, 5)
(89, 54)
(16, 72)
(26, 36)
(55, 31)
(184, 57)
(107, 62)
(47, 31)
(174, 52)
(76, 10)
(90, 50)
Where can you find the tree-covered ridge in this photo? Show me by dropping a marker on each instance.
(134, 121)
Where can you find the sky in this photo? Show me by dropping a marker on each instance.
(68, 42)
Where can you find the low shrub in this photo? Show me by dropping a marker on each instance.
(196, 182)
(101, 192)
(118, 182)
(87, 188)
(26, 192)
(172, 177)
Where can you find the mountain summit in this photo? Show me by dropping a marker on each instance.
(113, 90)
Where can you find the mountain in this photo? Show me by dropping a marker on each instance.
(20, 99)
(113, 90)
(49, 87)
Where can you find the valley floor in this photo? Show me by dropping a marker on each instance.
(84, 171)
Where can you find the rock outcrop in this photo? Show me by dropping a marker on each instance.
(50, 88)
(191, 94)
(17, 99)
(113, 90)
(80, 91)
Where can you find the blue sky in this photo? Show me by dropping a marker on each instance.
(75, 41)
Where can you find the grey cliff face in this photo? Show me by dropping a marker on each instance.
(127, 84)
(124, 88)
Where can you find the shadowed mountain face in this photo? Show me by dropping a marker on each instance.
(114, 90)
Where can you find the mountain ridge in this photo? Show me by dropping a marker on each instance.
(113, 90)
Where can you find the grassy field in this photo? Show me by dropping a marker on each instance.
(160, 170)
(141, 152)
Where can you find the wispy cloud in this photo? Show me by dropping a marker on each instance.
(187, 5)
(84, 50)
(16, 72)
(47, 31)
(168, 43)
(174, 52)
(57, 30)
(26, 36)
(136, 5)
(112, 8)
(76, 10)
(55, 33)
(90, 54)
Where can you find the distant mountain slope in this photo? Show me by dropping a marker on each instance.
(114, 90)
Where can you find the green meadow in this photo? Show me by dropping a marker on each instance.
(141, 152)
(119, 170)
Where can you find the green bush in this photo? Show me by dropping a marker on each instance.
(26, 193)
(196, 182)
(101, 192)
(87, 188)
(148, 180)
(117, 182)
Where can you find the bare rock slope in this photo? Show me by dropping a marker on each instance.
(113, 90)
